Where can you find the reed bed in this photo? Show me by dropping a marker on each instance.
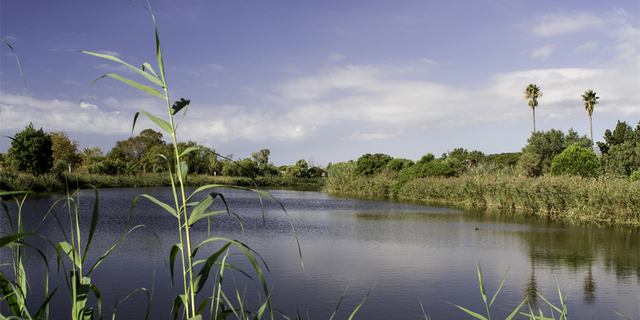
(605, 200)
(12, 181)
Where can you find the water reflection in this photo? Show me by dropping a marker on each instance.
(414, 253)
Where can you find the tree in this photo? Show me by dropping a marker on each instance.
(261, 157)
(30, 151)
(369, 164)
(64, 149)
(590, 100)
(576, 160)
(532, 93)
(543, 146)
(90, 156)
(621, 150)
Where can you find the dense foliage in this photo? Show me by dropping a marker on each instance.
(543, 146)
(436, 168)
(621, 150)
(369, 164)
(30, 151)
(576, 160)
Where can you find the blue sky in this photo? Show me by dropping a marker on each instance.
(325, 81)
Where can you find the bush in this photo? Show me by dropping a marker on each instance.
(369, 164)
(635, 176)
(399, 164)
(422, 170)
(576, 160)
(60, 167)
(426, 158)
(108, 167)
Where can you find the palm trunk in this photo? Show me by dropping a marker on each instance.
(591, 127)
(534, 119)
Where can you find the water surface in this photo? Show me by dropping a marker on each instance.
(405, 254)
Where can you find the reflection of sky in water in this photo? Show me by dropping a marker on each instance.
(410, 253)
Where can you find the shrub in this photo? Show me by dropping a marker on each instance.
(426, 158)
(369, 164)
(399, 164)
(429, 169)
(60, 167)
(576, 160)
(108, 167)
(635, 176)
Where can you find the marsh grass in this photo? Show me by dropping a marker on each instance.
(50, 182)
(601, 200)
(606, 200)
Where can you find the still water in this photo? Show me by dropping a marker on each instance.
(405, 254)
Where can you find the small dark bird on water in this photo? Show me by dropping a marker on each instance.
(477, 229)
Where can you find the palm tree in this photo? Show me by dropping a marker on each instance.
(590, 100)
(533, 92)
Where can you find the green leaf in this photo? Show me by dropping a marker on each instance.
(184, 169)
(9, 240)
(165, 206)
(172, 259)
(201, 279)
(149, 77)
(9, 293)
(94, 224)
(71, 252)
(189, 150)
(178, 105)
(161, 123)
(198, 211)
(473, 314)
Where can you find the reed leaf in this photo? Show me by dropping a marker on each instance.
(164, 125)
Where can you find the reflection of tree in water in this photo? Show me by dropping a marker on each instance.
(589, 288)
(531, 289)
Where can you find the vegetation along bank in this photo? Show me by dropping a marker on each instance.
(556, 176)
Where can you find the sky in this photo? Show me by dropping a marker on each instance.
(324, 81)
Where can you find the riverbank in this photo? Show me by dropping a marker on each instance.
(599, 200)
(60, 182)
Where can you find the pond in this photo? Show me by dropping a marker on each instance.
(408, 255)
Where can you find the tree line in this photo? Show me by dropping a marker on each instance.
(547, 152)
(37, 152)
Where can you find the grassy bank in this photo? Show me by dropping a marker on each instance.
(10, 181)
(603, 200)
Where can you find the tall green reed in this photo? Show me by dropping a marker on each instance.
(187, 211)
(15, 288)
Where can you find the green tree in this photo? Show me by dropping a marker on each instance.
(399, 164)
(576, 160)
(369, 164)
(590, 100)
(621, 150)
(89, 156)
(299, 170)
(435, 168)
(64, 149)
(543, 146)
(261, 157)
(30, 151)
(532, 93)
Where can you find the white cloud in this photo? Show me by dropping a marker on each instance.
(587, 46)
(357, 136)
(216, 66)
(19, 110)
(112, 53)
(555, 24)
(336, 57)
(110, 68)
(544, 52)
(431, 62)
